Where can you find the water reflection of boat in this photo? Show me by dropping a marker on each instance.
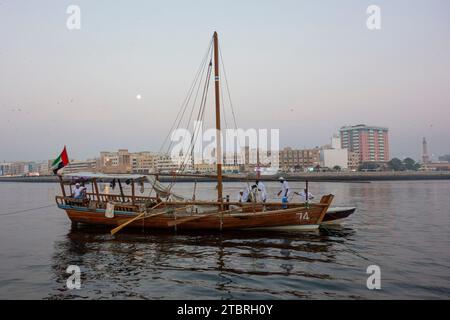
(164, 265)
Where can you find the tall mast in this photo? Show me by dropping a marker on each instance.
(218, 131)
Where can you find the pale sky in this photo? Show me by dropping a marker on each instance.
(306, 67)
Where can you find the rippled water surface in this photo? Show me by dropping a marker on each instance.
(403, 227)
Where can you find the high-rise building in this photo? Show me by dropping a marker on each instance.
(369, 142)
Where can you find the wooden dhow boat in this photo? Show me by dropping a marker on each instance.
(147, 212)
(166, 210)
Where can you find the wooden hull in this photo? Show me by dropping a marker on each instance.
(293, 218)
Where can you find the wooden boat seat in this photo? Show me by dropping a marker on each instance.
(252, 208)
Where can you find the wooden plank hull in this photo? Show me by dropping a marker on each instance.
(299, 218)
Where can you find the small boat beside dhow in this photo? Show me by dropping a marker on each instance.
(337, 214)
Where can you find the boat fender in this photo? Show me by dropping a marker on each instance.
(109, 212)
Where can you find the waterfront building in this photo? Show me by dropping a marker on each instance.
(233, 158)
(115, 162)
(333, 155)
(369, 142)
(353, 160)
(438, 166)
(143, 162)
(43, 168)
(5, 168)
(211, 168)
(165, 163)
(13, 168)
(230, 168)
(428, 165)
(250, 159)
(204, 167)
(298, 159)
(18, 168)
(425, 156)
(444, 158)
(75, 166)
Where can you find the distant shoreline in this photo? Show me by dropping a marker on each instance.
(313, 176)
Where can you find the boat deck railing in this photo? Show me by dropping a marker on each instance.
(135, 204)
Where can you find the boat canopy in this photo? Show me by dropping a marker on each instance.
(106, 177)
(160, 189)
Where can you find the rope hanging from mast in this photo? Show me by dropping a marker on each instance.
(200, 118)
(189, 106)
(195, 84)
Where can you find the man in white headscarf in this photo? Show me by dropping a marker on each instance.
(243, 196)
(79, 191)
(262, 190)
(284, 192)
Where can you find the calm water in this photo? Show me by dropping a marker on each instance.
(403, 227)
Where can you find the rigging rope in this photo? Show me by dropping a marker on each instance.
(191, 98)
(228, 88)
(230, 101)
(25, 210)
(187, 99)
(247, 179)
(193, 106)
(223, 100)
(200, 117)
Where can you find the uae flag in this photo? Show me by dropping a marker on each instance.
(61, 161)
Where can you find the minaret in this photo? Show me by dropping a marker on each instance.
(425, 157)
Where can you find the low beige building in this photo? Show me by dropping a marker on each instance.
(75, 166)
(299, 159)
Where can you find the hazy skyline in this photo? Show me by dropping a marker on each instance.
(305, 67)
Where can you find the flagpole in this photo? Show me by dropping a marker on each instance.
(61, 183)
